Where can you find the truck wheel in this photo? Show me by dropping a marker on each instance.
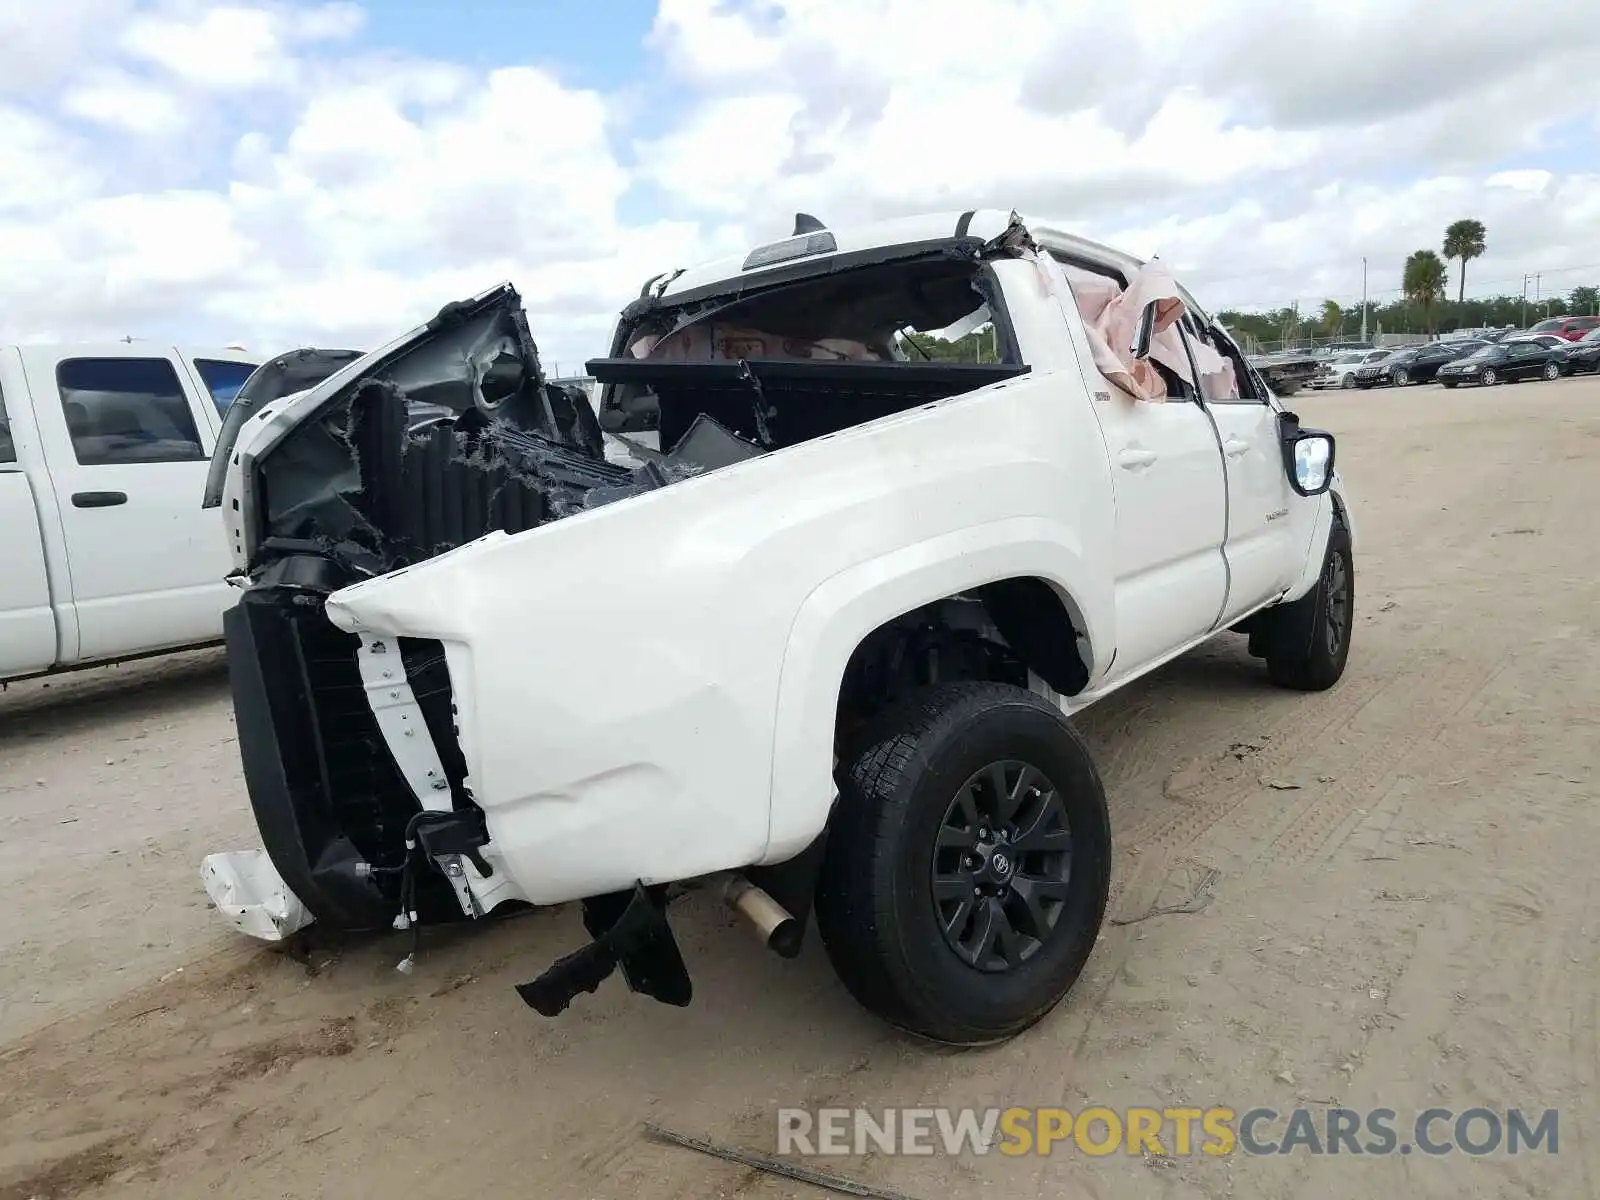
(1313, 641)
(968, 863)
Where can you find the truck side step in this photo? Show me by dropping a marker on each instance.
(630, 930)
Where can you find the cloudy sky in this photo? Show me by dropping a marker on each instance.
(281, 173)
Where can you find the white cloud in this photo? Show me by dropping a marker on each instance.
(42, 43)
(192, 169)
(1521, 181)
(224, 48)
(1243, 257)
(127, 105)
(234, 47)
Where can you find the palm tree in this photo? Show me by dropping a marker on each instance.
(1424, 281)
(1464, 240)
(1332, 318)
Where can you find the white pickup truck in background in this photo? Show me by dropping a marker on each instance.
(105, 552)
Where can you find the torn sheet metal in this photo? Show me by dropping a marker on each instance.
(246, 889)
(405, 731)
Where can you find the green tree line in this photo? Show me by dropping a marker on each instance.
(1424, 305)
(977, 346)
(1402, 315)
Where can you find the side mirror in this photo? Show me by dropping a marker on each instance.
(1144, 333)
(1307, 456)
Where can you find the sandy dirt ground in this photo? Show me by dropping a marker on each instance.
(1399, 918)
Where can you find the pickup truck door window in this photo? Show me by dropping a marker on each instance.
(223, 379)
(27, 622)
(1167, 477)
(1265, 545)
(129, 446)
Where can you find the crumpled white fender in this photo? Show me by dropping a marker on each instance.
(246, 889)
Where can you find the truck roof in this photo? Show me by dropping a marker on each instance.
(137, 348)
(926, 230)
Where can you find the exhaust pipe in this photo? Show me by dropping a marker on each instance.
(779, 932)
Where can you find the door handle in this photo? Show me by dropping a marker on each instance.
(1236, 448)
(98, 499)
(1135, 460)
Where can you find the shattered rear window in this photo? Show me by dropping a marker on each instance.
(933, 309)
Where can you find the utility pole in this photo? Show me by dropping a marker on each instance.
(1524, 301)
(1363, 297)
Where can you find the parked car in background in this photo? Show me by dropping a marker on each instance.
(1413, 364)
(1341, 372)
(1503, 362)
(1550, 341)
(1555, 343)
(1585, 353)
(1568, 328)
(105, 551)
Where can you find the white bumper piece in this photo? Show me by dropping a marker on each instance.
(246, 889)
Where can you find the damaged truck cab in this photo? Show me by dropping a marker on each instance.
(801, 611)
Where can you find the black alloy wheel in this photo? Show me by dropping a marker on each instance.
(1002, 863)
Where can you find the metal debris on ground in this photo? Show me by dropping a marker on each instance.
(774, 1166)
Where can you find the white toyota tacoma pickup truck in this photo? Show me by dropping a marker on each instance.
(800, 612)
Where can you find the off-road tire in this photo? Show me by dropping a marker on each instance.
(875, 905)
(1303, 655)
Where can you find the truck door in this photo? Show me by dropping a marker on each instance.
(27, 621)
(1171, 516)
(1168, 478)
(1261, 553)
(128, 442)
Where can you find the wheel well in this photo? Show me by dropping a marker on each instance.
(1007, 631)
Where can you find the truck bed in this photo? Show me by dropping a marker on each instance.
(780, 402)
